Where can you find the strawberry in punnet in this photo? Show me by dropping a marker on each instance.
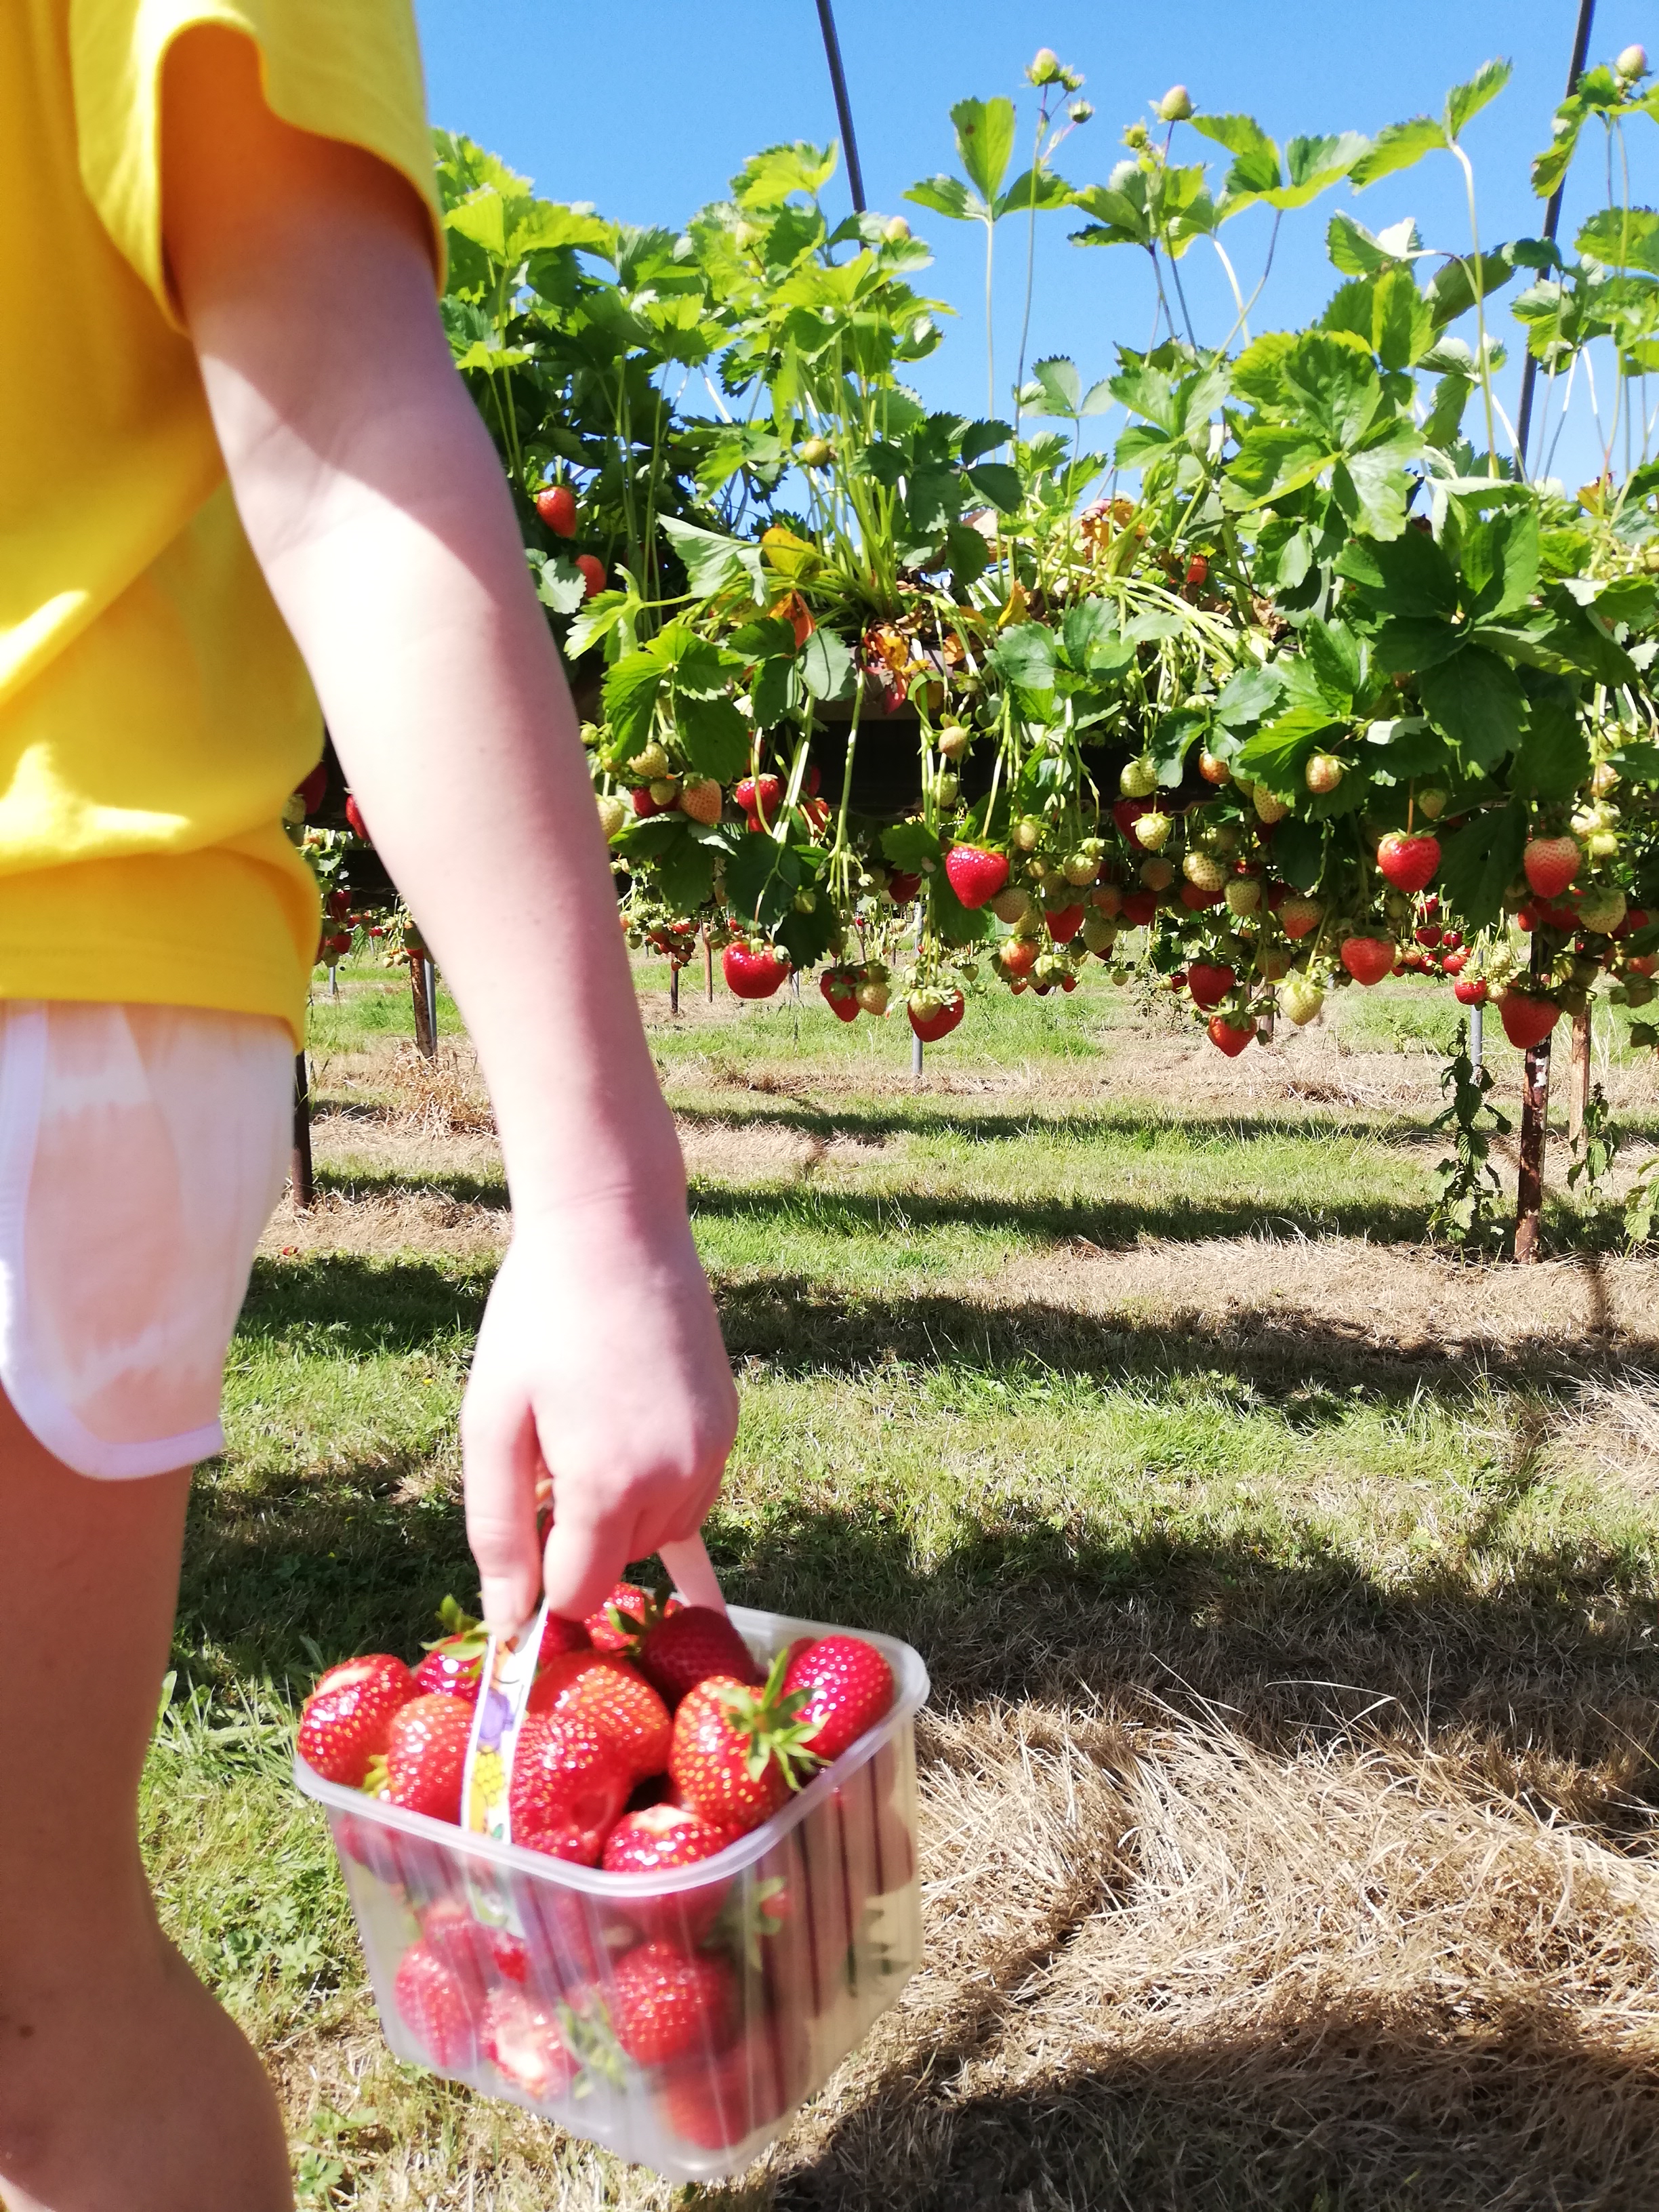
(1550, 864)
(522, 2039)
(592, 571)
(840, 987)
(1471, 990)
(482, 1956)
(665, 2003)
(556, 507)
(1526, 1021)
(846, 1687)
(975, 875)
(425, 1757)
(1369, 959)
(750, 2085)
(568, 1788)
(655, 1840)
(622, 1623)
(753, 971)
(432, 2002)
(736, 1751)
(1230, 1037)
(454, 1662)
(1209, 981)
(689, 1645)
(1408, 862)
(934, 1014)
(612, 1698)
(345, 1721)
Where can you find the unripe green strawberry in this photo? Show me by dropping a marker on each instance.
(1323, 774)
(1300, 999)
(1152, 831)
(1601, 910)
(1209, 874)
(1244, 895)
(1268, 808)
(1139, 780)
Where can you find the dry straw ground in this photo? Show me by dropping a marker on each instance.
(1256, 1875)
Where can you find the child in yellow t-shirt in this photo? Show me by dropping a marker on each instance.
(240, 478)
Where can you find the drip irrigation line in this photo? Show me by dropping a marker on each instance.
(844, 106)
(1552, 221)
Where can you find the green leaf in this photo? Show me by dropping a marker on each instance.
(997, 482)
(1398, 146)
(762, 879)
(1061, 387)
(908, 844)
(1276, 754)
(1621, 238)
(1474, 699)
(1331, 652)
(1140, 442)
(1026, 655)
(1402, 326)
(713, 561)
(1314, 164)
(1479, 861)
(1039, 189)
(983, 437)
(1372, 487)
(715, 737)
(596, 620)
(1406, 575)
(1451, 290)
(1298, 850)
(1255, 170)
(1500, 564)
(1638, 763)
(631, 698)
(985, 141)
(825, 665)
(1405, 643)
(1172, 740)
(1552, 759)
(1089, 634)
(768, 178)
(949, 195)
(1247, 696)
(685, 874)
(1465, 101)
(1352, 248)
(560, 585)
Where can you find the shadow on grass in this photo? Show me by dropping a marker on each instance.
(1360, 2109)
(933, 1113)
(340, 1303)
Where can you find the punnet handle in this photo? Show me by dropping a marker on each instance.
(692, 1574)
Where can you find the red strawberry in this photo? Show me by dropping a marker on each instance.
(1408, 862)
(556, 507)
(621, 1622)
(1369, 959)
(665, 2004)
(1020, 955)
(1298, 915)
(690, 1644)
(453, 1663)
(753, 971)
(353, 815)
(840, 987)
(902, 887)
(1198, 570)
(568, 1788)
(1526, 1021)
(749, 2087)
(559, 1634)
(522, 2040)
(933, 1017)
(738, 1751)
(1550, 863)
(975, 876)
(593, 574)
(433, 2003)
(1209, 981)
(344, 1722)
(761, 795)
(481, 1955)
(426, 1755)
(576, 1937)
(1195, 896)
(643, 803)
(1139, 907)
(1063, 925)
(1471, 990)
(612, 1697)
(657, 1839)
(313, 792)
(848, 1687)
(1228, 1036)
(1453, 963)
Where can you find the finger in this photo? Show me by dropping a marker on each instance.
(502, 1466)
(583, 1560)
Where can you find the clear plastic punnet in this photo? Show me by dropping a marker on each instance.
(677, 2018)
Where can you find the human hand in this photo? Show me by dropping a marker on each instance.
(599, 1369)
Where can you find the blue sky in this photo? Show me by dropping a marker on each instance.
(631, 108)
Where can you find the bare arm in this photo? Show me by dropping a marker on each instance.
(374, 502)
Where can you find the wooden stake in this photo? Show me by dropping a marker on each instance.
(673, 986)
(1535, 1127)
(1578, 1079)
(299, 1169)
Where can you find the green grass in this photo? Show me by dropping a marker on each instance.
(1287, 1522)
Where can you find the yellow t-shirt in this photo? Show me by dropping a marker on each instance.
(154, 714)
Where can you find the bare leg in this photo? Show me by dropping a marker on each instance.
(123, 2087)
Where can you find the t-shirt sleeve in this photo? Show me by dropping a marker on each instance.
(349, 70)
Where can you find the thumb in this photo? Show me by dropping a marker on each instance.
(503, 1465)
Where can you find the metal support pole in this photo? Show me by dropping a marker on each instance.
(709, 965)
(424, 999)
(1578, 1080)
(299, 1167)
(1552, 220)
(1477, 1036)
(843, 106)
(673, 986)
(1534, 1128)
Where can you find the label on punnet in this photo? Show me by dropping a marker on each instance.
(506, 1680)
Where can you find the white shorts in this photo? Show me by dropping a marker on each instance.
(141, 1149)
